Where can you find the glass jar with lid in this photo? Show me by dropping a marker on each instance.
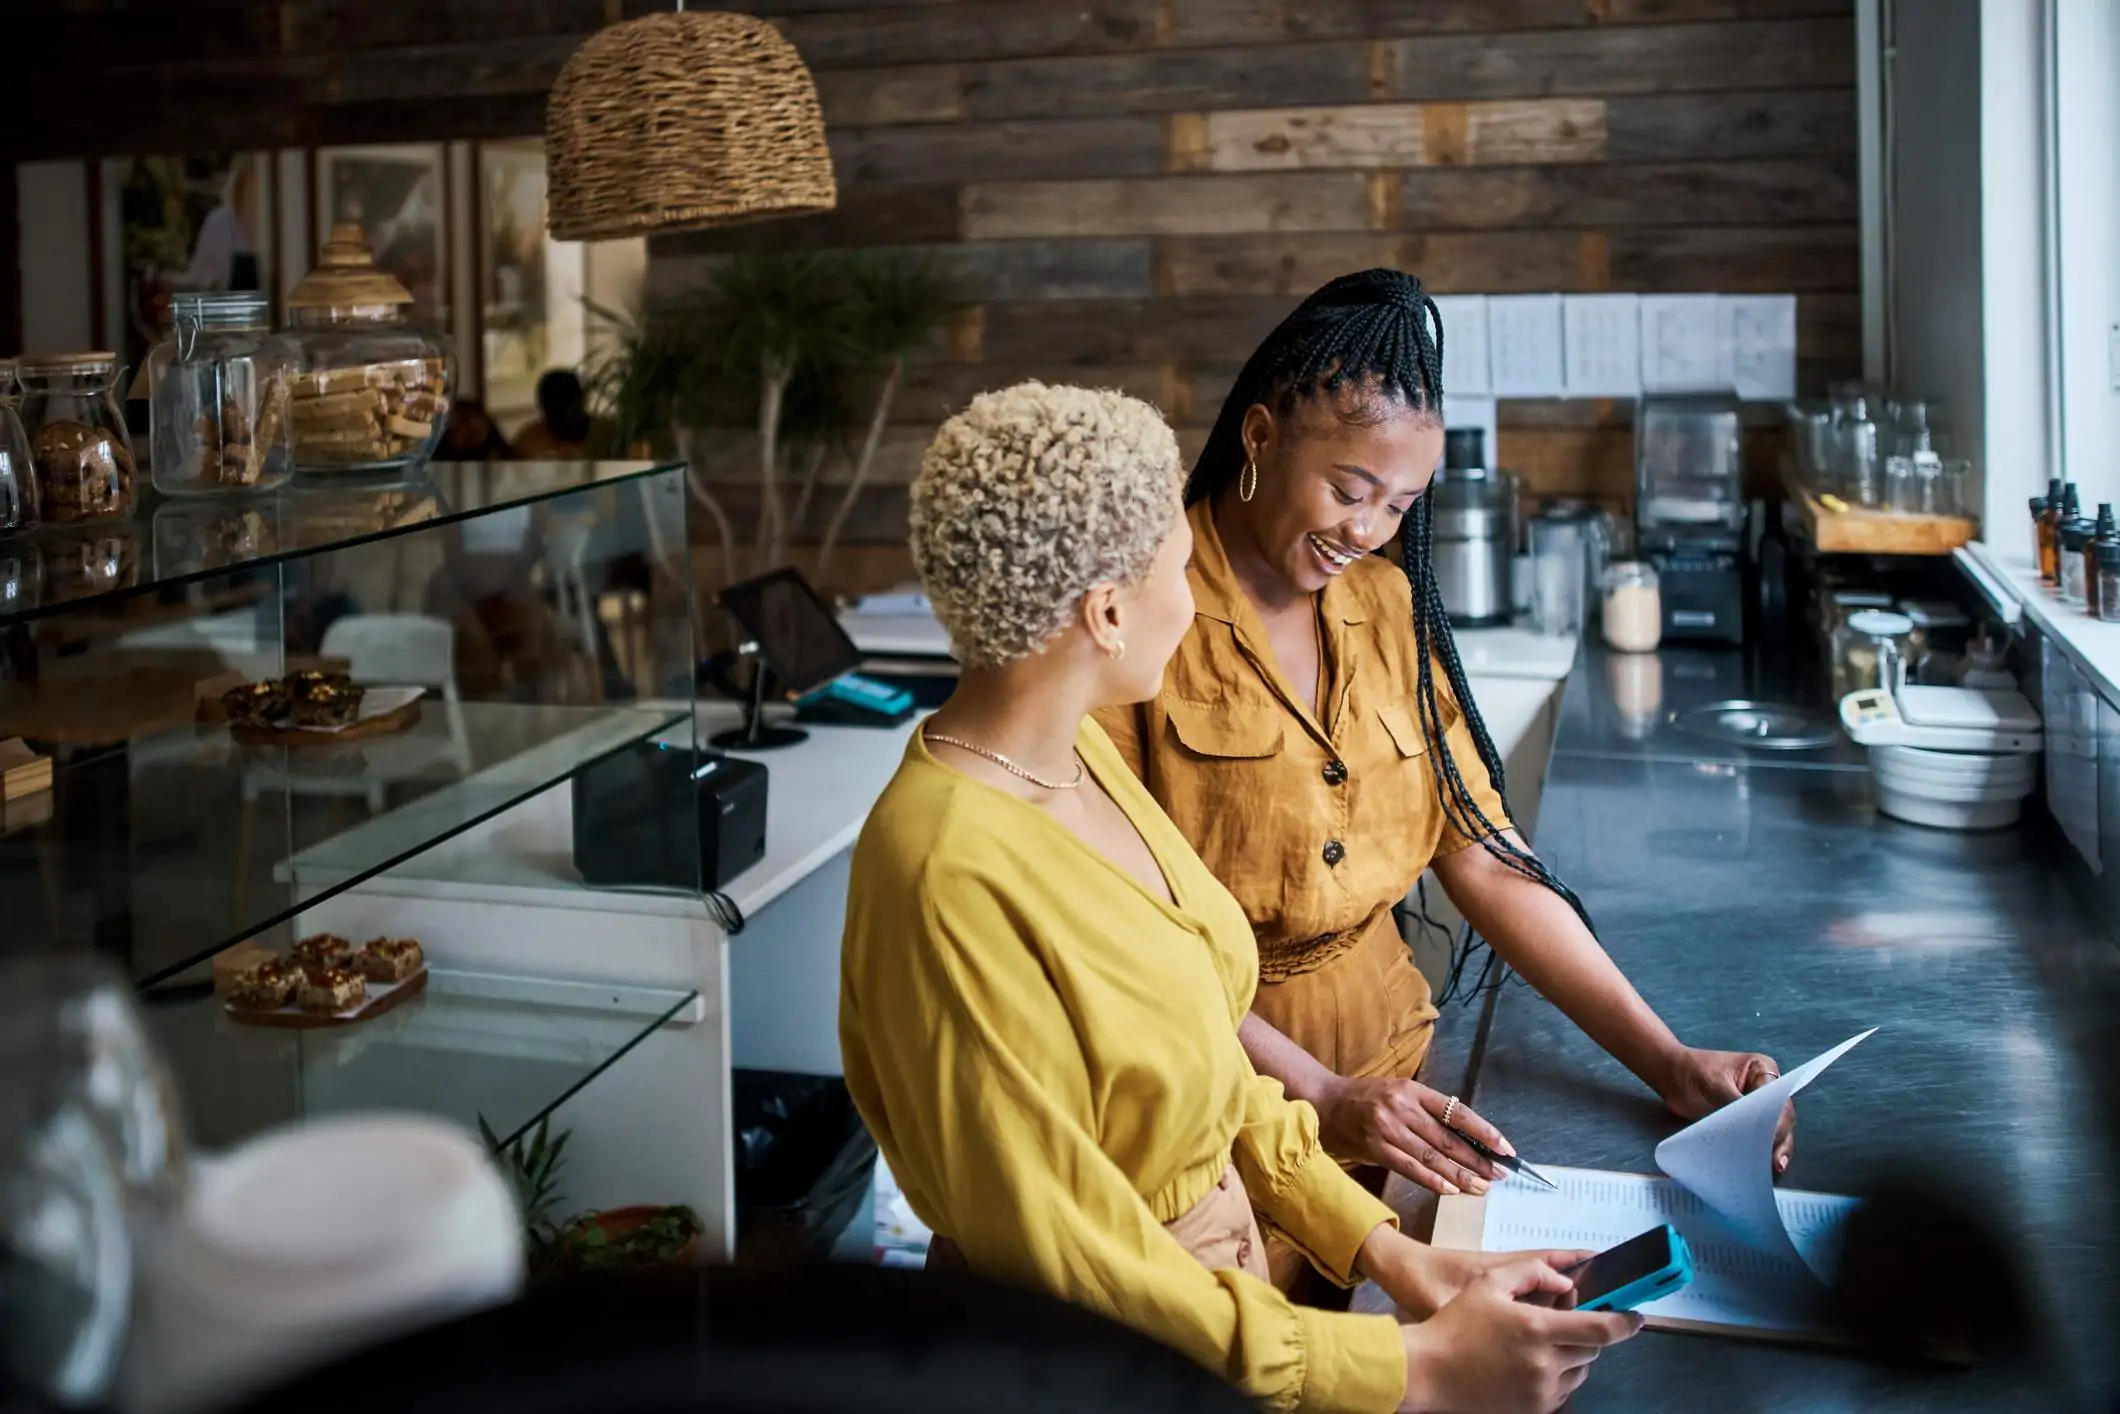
(218, 413)
(1870, 650)
(195, 536)
(99, 559)
(1634, 607)
(18, 471)
(77, 437)
(371, 390)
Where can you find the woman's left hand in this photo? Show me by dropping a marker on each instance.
(1702, 1082)
(1421, 1279)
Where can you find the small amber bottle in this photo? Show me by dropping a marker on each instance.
(2050, 534)
(2039, 535)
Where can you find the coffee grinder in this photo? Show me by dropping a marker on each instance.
(1689, 511)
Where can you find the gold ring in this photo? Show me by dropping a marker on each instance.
(1449, 1110)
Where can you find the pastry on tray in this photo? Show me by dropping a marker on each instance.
(320, 950)
(332, 989)
(327, 704)
(302, 681)
(389, 959)
(266, 985)
(256, 704)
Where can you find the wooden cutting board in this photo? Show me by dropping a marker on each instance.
(382, 996)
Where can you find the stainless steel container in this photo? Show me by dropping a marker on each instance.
(1475, 533)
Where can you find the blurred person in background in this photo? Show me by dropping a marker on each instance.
(563, 427)
(471, 435)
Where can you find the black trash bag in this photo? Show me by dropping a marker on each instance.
(804, 1164)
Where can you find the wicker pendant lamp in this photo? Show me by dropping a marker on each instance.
(673, 122)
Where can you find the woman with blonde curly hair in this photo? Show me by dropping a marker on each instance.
(1042, 983)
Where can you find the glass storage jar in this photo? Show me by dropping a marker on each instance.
(1870, 650)
(1634, 608)
(21, 577)
(218, 411)
(18, 471)
(99, 560)
(371, 391)
(192, 537)
(77, 437)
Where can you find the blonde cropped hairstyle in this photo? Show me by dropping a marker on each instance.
(1030, 498)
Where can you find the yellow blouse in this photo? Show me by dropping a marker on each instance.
(1047, 1055)
(1317, 826)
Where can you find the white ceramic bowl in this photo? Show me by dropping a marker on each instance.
(316, 1238)
(1948, 815)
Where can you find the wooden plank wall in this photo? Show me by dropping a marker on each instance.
(1135, 190)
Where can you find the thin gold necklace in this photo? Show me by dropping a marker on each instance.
(1003, 762)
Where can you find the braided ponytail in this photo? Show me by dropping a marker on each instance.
(1378, 332)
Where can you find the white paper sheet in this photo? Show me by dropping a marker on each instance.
(1464, 344)
(1734, 1283)
(1524, 346)
(1725, 1159)
(1679, 344)
(1601, 335)
(1756, 344)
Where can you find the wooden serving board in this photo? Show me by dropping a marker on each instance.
(1861, 530)
(367, 729)
(382, 996)
(22, 771)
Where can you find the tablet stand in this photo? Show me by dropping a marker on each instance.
(754, 734)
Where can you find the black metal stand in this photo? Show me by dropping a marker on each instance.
(754, 734)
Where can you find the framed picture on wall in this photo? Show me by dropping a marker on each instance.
(398, 194)
(171, 224)
(530, 287)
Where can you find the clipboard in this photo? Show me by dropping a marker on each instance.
(1461, 1226)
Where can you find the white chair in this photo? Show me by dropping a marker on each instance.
(384, 650)
(566, 557)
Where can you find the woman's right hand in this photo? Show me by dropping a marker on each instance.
(1487, 1352)
(1398, 1125)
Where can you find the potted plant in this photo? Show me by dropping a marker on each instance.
(619, 1239)
(532, 1170)
(798, 346)
(630, 1239)
(893, 307)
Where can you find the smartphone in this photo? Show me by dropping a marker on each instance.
(1638, 1271)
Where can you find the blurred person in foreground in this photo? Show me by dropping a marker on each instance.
(1042, 984)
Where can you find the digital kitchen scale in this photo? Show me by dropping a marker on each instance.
(1942, 719)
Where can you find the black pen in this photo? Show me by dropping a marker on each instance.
(1505, 1161)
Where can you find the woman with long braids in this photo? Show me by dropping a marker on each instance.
(1316, 742)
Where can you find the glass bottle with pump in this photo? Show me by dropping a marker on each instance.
(2075, 534)
(2102, 533)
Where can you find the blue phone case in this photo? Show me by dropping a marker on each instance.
(1674, 1276)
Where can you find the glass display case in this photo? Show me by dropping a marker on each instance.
(495, 627)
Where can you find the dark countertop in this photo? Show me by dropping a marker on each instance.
(1759, 902)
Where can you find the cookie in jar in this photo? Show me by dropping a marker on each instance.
(77, 438)
(372, 389)
(220, 402)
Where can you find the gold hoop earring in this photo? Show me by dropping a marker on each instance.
(1248, 483)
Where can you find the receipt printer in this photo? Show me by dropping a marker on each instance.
(652, 816)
